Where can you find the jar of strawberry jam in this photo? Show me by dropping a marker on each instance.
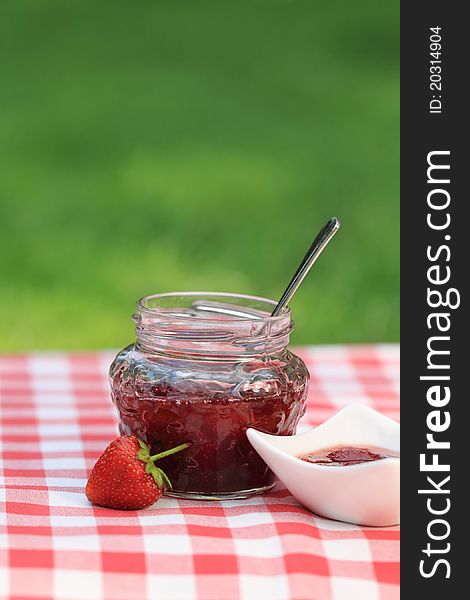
(203, 369)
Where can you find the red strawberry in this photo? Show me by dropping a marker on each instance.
(125, 476)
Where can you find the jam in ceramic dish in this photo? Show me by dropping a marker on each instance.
(204, 368)
(345, 456)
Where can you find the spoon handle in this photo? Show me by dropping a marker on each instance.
(317, 247)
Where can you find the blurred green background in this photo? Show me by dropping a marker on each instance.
(155, 146)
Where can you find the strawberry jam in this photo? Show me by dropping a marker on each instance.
(346, 456)
(206, 392)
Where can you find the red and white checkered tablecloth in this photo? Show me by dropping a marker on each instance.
(55, 419)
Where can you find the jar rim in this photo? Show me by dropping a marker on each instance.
(251, 303)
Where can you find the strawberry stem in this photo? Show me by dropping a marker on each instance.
(168, 452)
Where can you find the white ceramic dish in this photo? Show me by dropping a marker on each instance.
(365, 494)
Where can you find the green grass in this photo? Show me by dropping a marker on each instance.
(157, 146)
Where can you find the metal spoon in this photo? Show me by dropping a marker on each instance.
(319, 244)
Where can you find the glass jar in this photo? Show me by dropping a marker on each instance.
(204, 368)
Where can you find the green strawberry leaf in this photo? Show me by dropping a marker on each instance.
(144, 453)
(166, 481)
(156, 474)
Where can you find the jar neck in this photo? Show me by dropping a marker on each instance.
(210, 329)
